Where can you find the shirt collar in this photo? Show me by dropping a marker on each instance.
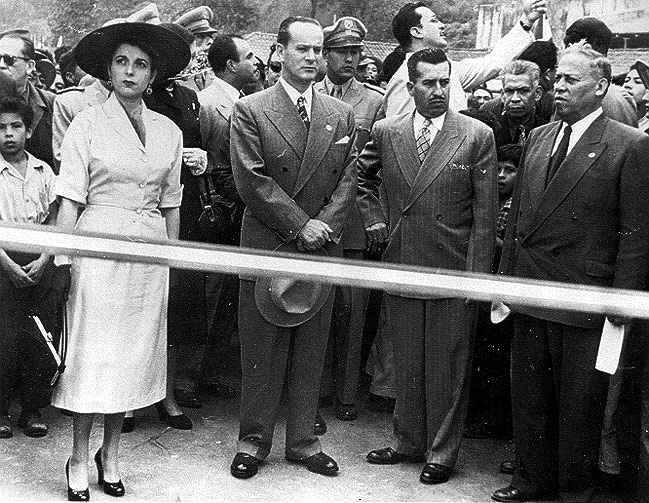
(229, 89)
(580, 127)
(437, 122)
(329, 85)
(32, 163)
(294, 94)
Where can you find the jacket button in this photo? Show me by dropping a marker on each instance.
(440, 246)
(335, 171)
(325, 200)
(574, 218)
(284, 169)
(405, 214)
(438, 216)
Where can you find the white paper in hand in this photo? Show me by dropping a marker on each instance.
(610, 348)
(499, 312)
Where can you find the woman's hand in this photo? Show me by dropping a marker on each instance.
(36, 268)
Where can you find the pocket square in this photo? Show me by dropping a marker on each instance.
(343, 141)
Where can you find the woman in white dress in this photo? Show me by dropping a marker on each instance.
(121, 162)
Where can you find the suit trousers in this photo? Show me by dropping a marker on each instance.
(433, 349)
(558, 401)
(271, 356)
(343, 361)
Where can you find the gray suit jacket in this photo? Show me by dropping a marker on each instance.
(441, 213)
(286, 175)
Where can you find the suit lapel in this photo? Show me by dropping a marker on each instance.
(442, 149)
(580, 159)
(120, 122)
(321, 134)
(540, 160)
(37, 105)
(223, 101)
(405, 149)
(283, 114)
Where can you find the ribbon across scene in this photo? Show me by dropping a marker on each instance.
(390, 277)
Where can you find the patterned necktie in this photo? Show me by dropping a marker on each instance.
(559, 155)
(301, 108)
(423, 141)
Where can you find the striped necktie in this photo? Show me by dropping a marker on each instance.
(423, 141)
(301, 108)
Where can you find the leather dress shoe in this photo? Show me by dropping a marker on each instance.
(510, 493)
(320, 425)
(434, 473)
(318, 463)
(508, 467)
(180, 422)
(5, 427)
(388, 456)
(346, 411)
(32, 424)
(111, 488)
(244, 466)
(187, 399)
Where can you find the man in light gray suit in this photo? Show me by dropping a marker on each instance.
(293, 160)
(439, 172)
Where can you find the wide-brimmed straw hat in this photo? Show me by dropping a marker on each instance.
(289, 302)
(168, 50)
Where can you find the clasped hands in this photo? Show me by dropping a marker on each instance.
(313, 235)
(196, 160)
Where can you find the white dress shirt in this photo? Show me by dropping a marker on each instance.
(435, 125)
(578, 130)
(294, 94)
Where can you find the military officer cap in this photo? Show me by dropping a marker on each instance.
(346, 32)
(197, 20)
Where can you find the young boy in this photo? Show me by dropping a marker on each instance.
(26, 197)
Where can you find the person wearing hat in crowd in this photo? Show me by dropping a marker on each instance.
(417, 27)
(437, 172)
(122, 163)
(342, 47)
(369, 69)
(198, 22)
(617, 105)
(634, 86)
(18, 61)
(88, 91)
(44, 70)
(293, 159)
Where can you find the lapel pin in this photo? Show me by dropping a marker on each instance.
(328, 127)
(591, 155)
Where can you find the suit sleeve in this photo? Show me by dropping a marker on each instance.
(335, 212)
(369, 180)
(484, 178)
(260, 193)
(632, 259)
(476, 71)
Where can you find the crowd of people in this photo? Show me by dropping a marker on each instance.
(175, 131)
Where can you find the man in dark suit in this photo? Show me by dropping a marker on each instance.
(438, 171)
(293, 160)
(579, 215)
(342, 49)
(19, 62)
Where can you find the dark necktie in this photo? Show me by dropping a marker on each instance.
(301, 108)
(559, 155)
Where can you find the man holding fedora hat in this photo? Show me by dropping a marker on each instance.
(293, 160)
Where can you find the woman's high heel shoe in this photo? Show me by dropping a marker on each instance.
(73, 494)
(110, 488)
(181, 422)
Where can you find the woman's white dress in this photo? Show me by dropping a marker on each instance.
(117, 311)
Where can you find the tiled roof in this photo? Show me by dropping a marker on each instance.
(621, 59)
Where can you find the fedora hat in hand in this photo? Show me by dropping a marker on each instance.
(289, 302)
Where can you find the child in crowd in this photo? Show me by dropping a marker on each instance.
(26, 197)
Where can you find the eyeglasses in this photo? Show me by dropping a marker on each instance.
(275, 66)
(11, 60)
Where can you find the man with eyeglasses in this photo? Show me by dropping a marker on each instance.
(17, 60)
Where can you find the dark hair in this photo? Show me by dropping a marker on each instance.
(283, 34)
(261, 68)
(431, 55)
(541, 52)
(594, 31)
(511, 153)
(392, 62)
(7, 87)
(15, 106)
(60, 51)
(28, 45)
(67, 63)
(404, 20)
(223, 48)
(184, 33)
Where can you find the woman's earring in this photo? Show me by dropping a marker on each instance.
(109, 83)
(148, 90)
